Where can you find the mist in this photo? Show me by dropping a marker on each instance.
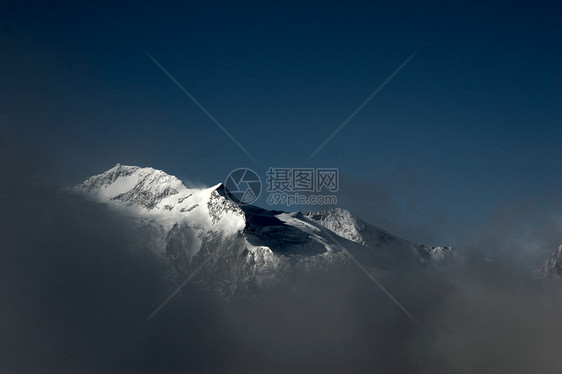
(77, 286)
(520, 231)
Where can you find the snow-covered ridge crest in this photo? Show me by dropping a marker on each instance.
(341, 222)
(344, 224)
(154, 194)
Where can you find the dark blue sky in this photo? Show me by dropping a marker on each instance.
(472, 121)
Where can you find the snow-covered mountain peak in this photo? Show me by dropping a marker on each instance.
(242, 246)
(151, 193)
(132, 185)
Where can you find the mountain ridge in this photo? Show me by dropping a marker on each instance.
(240, 247)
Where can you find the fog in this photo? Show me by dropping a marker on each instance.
(76, 288)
